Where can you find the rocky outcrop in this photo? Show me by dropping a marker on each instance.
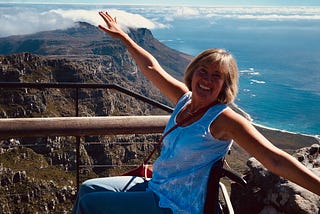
(267, 193)
(38, 175)
(26, 189)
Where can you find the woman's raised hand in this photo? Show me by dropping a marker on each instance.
(147, 64)
(113, 28)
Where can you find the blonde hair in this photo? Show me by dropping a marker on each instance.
(226, 61)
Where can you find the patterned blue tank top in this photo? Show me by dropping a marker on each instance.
(181, 172)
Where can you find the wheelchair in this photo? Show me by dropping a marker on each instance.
(213, 203)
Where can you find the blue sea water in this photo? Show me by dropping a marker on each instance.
(277, 50)
(279, 63)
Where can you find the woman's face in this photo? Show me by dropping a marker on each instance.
(207, 82)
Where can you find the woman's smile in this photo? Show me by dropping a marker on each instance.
(203, 87)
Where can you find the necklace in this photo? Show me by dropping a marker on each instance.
(198, 111)
(195, 112)
(191, 115)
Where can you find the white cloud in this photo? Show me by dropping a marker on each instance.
(20, 21)
(186, 11)
(125, 19)
(264, 13)
(257, 13)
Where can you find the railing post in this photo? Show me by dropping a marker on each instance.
(77, 143)
(77, 102)
(78, 161)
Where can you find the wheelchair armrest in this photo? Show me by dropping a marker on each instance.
(234, 177)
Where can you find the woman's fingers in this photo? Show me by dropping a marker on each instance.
(112, 27)
(106, 17)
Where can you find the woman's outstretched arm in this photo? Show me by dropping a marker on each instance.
(149, 66)
(234, 126)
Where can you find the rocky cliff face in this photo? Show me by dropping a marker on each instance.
(268, 193)
(26, 67)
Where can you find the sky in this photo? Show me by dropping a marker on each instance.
(51, 17)
(184, 2)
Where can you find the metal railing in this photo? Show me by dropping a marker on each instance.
(78, 86)
(81, 126)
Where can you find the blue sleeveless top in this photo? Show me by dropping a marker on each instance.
(181, 172)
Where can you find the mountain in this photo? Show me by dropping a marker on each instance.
(87, 41)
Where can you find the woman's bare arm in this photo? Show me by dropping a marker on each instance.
(234, 126)
(149, 66)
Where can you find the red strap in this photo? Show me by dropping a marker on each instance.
(159, 143)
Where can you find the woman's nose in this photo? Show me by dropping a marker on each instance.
(207, 77)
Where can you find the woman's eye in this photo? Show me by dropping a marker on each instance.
(217, 76)
(202, 71)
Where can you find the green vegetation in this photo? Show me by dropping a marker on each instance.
(29, 184)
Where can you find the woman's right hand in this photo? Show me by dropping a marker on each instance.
(113, 28)
(148, 65)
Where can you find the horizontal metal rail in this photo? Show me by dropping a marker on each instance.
(88, 86)
(81, 126)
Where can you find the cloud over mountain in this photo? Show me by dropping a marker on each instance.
(26, 21)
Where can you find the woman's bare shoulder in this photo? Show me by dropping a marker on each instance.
(227, 123)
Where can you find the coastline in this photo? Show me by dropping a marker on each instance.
(287, 140)
(281, 138)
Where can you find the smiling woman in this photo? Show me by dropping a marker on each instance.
(181, 172)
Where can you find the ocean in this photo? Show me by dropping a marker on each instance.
(278, 59)
(277, 50)
(279, 66)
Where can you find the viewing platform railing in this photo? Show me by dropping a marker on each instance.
(81, 126)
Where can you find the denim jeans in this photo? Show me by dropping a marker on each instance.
(113, 195)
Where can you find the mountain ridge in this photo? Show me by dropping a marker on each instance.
(86, 40)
